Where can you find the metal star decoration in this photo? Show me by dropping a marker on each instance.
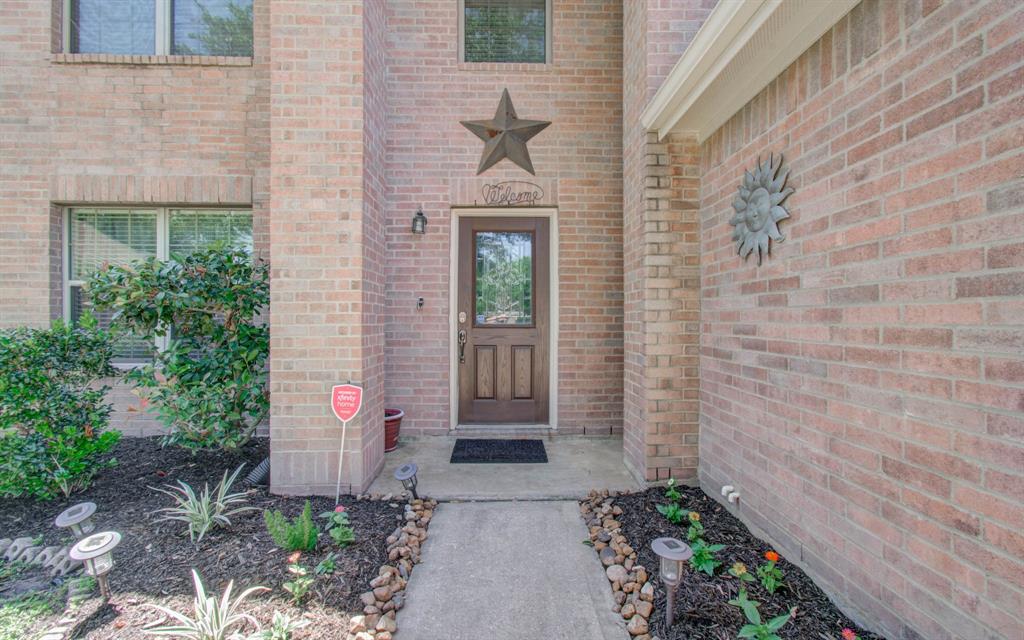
(505, 136)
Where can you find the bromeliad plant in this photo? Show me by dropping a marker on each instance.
(281, 628)
(756, 628)
(212, 619)
(209, 385)
(338, 526)
(204, 511)
(769, 573)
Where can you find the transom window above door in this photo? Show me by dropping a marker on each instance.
(505, 30)
(99, 235)
(159, 27)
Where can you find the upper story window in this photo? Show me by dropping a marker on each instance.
(506, 30)
(159, 27)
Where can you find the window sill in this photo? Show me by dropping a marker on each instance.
(506, 67)
(114, 58)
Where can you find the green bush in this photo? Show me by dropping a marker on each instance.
(53, 417)
(209, 385)
(298, 535)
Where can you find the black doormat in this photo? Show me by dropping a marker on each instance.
(471, 450)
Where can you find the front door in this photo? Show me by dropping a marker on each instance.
(502, 320)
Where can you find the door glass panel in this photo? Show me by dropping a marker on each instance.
(504, 278)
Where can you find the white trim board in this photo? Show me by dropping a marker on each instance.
(457, 213)
(739, 50)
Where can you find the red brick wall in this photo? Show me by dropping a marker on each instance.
(431, 161)
(864, 388)
(660, 253)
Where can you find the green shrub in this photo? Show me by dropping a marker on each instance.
(53, 417)
(298, 535)
(209, 385)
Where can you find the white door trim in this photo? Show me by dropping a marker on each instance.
(457, 213)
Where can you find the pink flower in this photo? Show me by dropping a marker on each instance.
(339, 509)
(848, 634)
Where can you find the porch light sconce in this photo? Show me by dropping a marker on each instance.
(96, 552)
(419, 222)
(673, 554)
(78, 519)
(406, 474)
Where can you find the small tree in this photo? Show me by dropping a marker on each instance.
(209, 384)
(52, 411)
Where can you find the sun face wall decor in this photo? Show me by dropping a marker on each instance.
(759, 208)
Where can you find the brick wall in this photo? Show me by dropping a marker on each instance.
(431, 161)
(661, 254)
(863, 388)
(115, 130)
(325, 256)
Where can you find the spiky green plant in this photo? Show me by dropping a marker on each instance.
(299, 534)
(204, 511)
(212, 619)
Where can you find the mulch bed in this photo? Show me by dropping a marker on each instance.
(702, 609)
(154, 558)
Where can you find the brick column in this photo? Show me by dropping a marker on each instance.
(325, 325)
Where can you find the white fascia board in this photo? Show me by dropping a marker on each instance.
(742, 46)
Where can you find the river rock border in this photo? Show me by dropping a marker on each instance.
(387, 591)
(631, 588)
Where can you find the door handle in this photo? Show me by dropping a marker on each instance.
(462, 346)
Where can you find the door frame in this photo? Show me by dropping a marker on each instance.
(457, 213)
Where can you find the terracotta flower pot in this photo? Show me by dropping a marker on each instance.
(392, 424)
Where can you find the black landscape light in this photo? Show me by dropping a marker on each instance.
(673, 554)
(406, 474)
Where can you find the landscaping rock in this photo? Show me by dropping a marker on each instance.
(637, 626)
(617, 573)
(644, 608)
(607, 556)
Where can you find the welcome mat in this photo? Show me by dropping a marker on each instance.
(472, 450)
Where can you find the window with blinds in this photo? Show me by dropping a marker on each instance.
(99, 235)
(505, 30)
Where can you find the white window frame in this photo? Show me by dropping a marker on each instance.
(548, 20)
(163, 225)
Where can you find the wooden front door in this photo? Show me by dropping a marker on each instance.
(502, 321)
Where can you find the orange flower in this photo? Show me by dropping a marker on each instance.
(293, 558)
(694, 516)
(848, 634)
(771, 556)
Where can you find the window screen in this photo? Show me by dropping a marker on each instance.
(113, 26)
(505, 30)
(212, 27)
(191, 230)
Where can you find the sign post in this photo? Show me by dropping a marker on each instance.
(346, 400)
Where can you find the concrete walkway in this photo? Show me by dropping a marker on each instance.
(575, 466)
(509, 571)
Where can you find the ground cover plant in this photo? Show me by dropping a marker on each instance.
(53, 416)
(778, 599)
(154, 561)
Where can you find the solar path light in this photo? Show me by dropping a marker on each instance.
(673, 554)
(96, 552)
(406, 474)
(78, 519)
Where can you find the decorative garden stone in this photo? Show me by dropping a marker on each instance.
(759, 208)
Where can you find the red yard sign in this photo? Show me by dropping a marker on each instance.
(346, 400)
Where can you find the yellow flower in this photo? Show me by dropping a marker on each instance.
(694, 516)
(738, 569)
